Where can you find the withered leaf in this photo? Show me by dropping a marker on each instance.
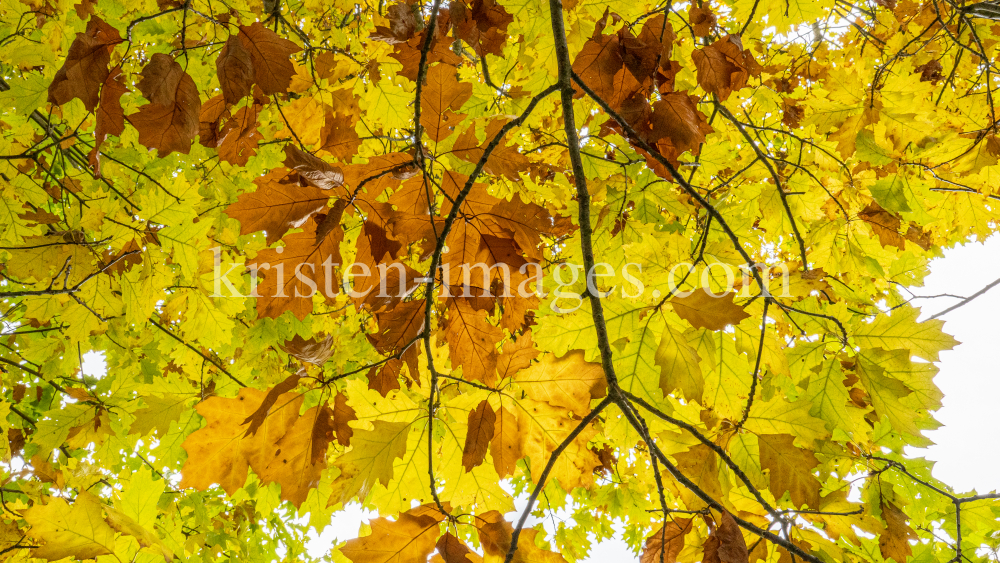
(272, 70)
(313, 169)
(234, 66)
(170, 121)
(86, 65)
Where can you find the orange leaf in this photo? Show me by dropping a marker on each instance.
(506, 443)
(482, 422)
(257, 417)
(703, 310)
(279, 204)
(410, 539)
(664, 544)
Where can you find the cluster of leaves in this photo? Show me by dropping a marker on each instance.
(846, 144)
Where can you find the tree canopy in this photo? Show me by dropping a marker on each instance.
(645, 265)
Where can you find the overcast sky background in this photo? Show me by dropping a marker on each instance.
(967, 450)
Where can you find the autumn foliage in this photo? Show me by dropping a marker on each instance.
(324, 250)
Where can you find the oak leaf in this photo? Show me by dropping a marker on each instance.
(472, 342)
(343, 414)
(724, 66)
(506, 443)
(452, 550)
(703, 310)
(441, 97)
(410, 539)
(76, 530)
(483, 25)
(894, 542)
(278, 204)
(370, 460)
(338, 136)
(239, 137)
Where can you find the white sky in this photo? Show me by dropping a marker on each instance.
(965, 447)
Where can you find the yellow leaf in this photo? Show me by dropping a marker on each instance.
(76, 530)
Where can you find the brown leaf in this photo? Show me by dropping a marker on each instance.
(503, 161)
(703, 310)
(441, 97)
(482, 422)
(220, 453)
(170, 121)
(281, 289)
(408, 54)
(332, 220)
(209, 119)
(452, 550)
(885, 225)
(234, 67)
(472, 342)
(297, 459)
(316, 350)
(239, 138)
(398, 328)
(702, 20)
(663, 545)
(402, 25)
(726, 544)
(279, 204)
(894, 543)
(272, 70)
(385, 378)
(342, 415)
(483, 25)
(338, 136)
(515, 356)
(722, 66)
(789, 469)
(86, 65)
(930, 71)
(674, 126)
(506, 443)
(257, 417)
(109, 114)
(313, 169)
